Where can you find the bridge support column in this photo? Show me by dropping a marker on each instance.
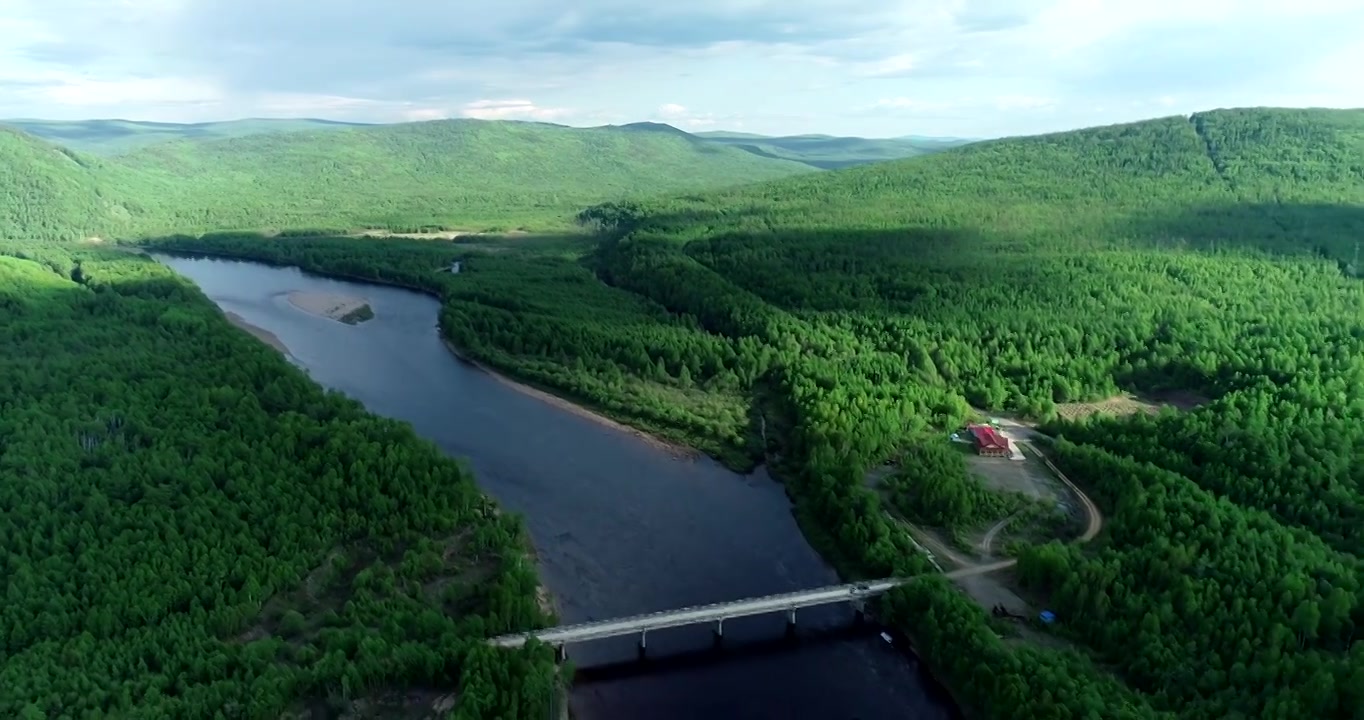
(643, 644)
(859, 613)
(719, 633)
(791, 623)
(560, 654)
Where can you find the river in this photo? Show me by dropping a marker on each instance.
(620, 525)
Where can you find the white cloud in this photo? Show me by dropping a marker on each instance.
(423, 114)
(901, 65)
(952, 67)
(511, 110)
(680, 116)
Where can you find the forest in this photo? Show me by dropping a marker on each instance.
(194, 529)
(456, 175)
(821, 324)
(825, 323)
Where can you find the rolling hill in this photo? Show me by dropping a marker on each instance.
(1291, 179)
(456, 173)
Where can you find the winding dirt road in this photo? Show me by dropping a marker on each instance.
(1094, 522)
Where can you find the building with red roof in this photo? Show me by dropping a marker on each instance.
(989, 442)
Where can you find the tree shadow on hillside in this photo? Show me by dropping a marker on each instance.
(1324, 230)
(1296, 229)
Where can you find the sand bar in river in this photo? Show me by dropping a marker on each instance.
(329, 305)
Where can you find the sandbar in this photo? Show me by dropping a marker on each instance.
(342, 308)
(260, 333)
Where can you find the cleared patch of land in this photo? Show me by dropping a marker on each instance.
(1029, 477)
(1128, 404)
(259, 333)
(342, 308)
(428, 235)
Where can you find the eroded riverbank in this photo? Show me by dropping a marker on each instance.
(620, 526)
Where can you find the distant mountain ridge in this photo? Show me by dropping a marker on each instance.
(117, 137)
(111, 137)
(830, 152)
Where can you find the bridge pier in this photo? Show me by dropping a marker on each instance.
(560, 654)
(791, 623)
(859, 613)
(719, 633)
(643, 644)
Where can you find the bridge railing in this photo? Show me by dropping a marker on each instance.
(696, 614)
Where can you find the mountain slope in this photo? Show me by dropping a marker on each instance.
(828, 152)
(49, 192)
(1254, 176)
(112, 137)
(454, 173)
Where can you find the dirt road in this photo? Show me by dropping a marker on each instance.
(987, 543)
(1094, 522)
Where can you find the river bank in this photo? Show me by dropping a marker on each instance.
(259, 333)
(677, 450)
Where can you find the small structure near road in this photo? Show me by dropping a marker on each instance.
(989, 441)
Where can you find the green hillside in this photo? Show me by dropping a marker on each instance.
(828, 152)
(47, 191)
(1241, 176)
(113, 137)
(458, 173)
(832, 323)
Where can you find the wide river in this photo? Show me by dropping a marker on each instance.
(621, 526)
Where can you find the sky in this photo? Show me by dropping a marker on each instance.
(874, 68)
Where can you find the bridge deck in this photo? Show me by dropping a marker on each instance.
(602, 629)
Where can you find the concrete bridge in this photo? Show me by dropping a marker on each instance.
(717, 613)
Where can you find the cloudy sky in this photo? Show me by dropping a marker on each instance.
(973, 68)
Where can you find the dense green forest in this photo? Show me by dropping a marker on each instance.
(824, 322)
(456, 174)
(193, 529)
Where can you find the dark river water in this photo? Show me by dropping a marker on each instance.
(621, 526)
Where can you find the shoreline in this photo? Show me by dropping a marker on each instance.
(677, 450)
(257, 332)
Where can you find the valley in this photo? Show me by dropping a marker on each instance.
(1173, 304)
